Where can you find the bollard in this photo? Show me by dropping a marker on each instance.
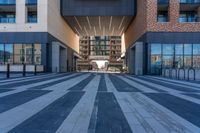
(24, 70)
(35, 71)
(8, 71)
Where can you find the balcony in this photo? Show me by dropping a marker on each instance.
(189, 5)
(189, 1)
(31, 2)
(163, 5)
(163, 2)
(7, 2)
(7, 20)
(32, 19)
(188, 19)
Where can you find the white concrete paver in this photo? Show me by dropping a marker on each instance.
(79, 118)
(25, 111)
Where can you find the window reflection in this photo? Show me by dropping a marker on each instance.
(1, 53)
(37, 53)
(20, 53)
(174, 56)
(8, 54)
(167, 61)
(155, 49)
(168, 49)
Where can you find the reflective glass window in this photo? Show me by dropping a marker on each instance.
(37, 53)
(196, 61)
(28, 53)
(168, 49)
(179, 61)
(9, 53)
(187, 49)
(167, 61)
(179, 49)
(187, 61)
(156, 49)
(196, 49)
(1, 53)
(18, 53)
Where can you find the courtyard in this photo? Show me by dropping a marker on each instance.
(98, 103)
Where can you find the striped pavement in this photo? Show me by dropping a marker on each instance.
(99, 103)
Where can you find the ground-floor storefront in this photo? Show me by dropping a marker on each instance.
(36, 48)
(161, 53)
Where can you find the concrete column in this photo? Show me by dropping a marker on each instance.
(139, 60)
(198, 12)
(20, 12)
(63, 60)
(131, 60)
(55, 57)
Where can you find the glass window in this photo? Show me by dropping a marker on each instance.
(155, 64)
(187, 61)
(9, 53)
(179, 61)
(168, 49)
(1, 53)
(179, 49)
(28, 53)
(187, 49)
(37, 53)
(155, 49)
(18, 54)
(168, 61)
(196, 61)
(196, 49)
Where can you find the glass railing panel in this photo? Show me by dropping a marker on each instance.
(190, 1)
(31, 2)
(7, 2)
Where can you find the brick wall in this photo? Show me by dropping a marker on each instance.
(146, 21)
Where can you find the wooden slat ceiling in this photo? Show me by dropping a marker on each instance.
(99, 25)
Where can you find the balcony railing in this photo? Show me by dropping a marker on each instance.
(7, 20)
(7, 2)
(162, 19)
(163, 1)
(32, 20)
(190, 1)
(188, 19)
(31, 2)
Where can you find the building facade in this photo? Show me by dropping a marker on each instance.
(164, 35)
(33, 32)
(107, 48)
(155, 34)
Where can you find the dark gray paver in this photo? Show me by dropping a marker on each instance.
(121, 85)
(11, 101)
(175, 87)
(146, 85)
(102, 84)
(81, 85)
(50, 118)
(5, 90)
(42, 79)
(107, 116)
(193, 95)
(186, 109)
(170, 81)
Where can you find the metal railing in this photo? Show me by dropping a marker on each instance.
(179, 73)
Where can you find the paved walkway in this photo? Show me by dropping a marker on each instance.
(98, 103)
